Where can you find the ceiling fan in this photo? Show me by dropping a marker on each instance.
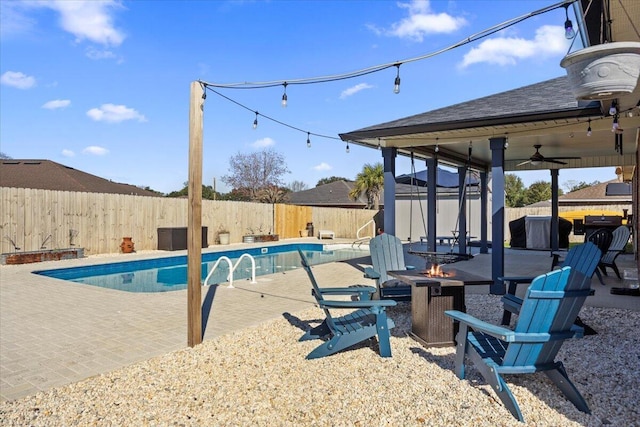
(538, 158)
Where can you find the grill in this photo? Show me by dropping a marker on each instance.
(595, 222)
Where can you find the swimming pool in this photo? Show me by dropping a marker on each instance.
(170, 273)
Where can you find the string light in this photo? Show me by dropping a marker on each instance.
(284, 95)
(589, 128)
(569, 33)
(613, 110)
(348, 150)
(308, 140)
(396, 83)
(255, 122)
(615, 126)
(379, 147)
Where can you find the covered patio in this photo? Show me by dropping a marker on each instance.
(508, 132)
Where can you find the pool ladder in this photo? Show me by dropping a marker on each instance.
(232, 268)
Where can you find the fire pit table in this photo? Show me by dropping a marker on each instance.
(431, 295)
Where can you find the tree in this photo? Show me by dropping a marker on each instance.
(4, 156)
(515, 191)
(255, 171)
(369, 182)
(207, 192)
(297, 186)
(273, 194)
(539, 191)
(573, 185)
(331, 179)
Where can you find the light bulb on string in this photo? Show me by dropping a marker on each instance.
(255, 122)
(569, 33)
(379, 147)
(615, 125)
(613, 110)
(284, 95)
(589, 128)
(308, 140)
(396, 83)
(348, 150)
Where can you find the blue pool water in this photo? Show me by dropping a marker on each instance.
(170, 273)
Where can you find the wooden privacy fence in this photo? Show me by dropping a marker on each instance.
(32, 219)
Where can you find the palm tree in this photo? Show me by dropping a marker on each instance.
(369, 182)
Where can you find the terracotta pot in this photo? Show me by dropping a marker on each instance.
(127, 245)
(603, 71)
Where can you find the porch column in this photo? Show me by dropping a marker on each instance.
(432, 194)
(389, 164)
(554, 210)
(497, 146)
(484, 220)
(462, 210)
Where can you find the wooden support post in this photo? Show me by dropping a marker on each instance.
(194, 217)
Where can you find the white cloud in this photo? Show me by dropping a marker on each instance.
(68, 153)
(96, 54)
(95, 150)
(114, 114)
(421, 21)
(264, 142)
(56, 103)
(91, 20)
(13, 20)
(18, 80)
(354, 89)
(548, 41)
(323, 167)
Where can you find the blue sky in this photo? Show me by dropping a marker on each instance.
(103, 86)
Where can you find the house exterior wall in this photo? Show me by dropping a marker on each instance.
(410, 213)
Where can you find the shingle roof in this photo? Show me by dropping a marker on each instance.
(49, 175)
(539, 99)
(332, 194)
(593, 194)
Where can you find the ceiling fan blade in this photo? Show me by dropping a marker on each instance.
(523, 163)
(565, 158)
(555, 161)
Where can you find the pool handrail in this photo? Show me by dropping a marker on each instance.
(232, 268)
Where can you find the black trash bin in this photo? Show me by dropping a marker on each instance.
(310, 229)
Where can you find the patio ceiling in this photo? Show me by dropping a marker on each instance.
(546, 113)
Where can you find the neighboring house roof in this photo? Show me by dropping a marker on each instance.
(332, 194)
(594, 194)
(49, 175)
(444, 178)
(337, 193)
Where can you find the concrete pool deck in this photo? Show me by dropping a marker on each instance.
(54, 332)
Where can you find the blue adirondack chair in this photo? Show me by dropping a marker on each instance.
(547, 317)
(366, 319)
(387, 255)
(582, 259)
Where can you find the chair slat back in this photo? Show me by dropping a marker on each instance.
(386, 255)
(602, 238)
(620, 238)
(316, 289)
(582, 259)
(550, 307)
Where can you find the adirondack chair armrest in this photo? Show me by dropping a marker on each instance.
(348, 290)
(514, 281)
(502, 333)
(357, 304)
(370, 273)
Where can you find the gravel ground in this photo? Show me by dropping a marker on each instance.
(260, 377)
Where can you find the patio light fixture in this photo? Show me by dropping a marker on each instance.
(308, 140)
(569, 33)
(396, 83)
(589, 128)
(613, 110)
(255, 122)
(348, 150)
